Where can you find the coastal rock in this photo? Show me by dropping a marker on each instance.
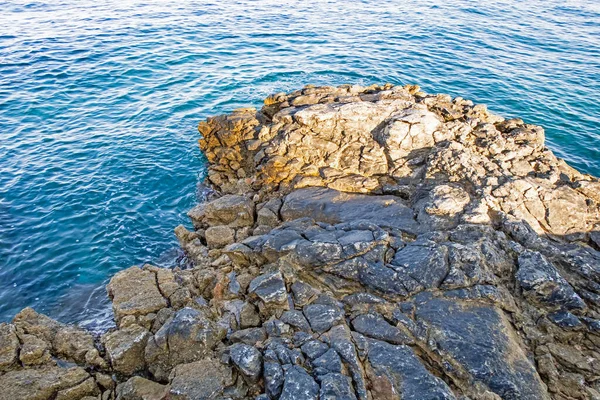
(138, 388)
(9, 346)
(358, 243)
(125, 348)
(188, 336)
(47, 383)
(200, 380)
(134, 292)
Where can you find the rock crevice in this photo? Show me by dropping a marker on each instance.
(361, 243)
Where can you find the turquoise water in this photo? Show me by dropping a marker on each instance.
(99, 103)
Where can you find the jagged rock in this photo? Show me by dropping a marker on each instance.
(376, 327)
(200, 380)
(395, 372)
(138, 388)
(34, 351)
(480, 338)
(538, 277)
(322, 316)
(219, 236)
(125, 348)
(395, 219)
(230, 210)
(187, 337)
(9, 346)
(248, 360)
(336, 387)
(270, 288)
(46, 383)
(298, 385)
(134, 292)
(69, 342)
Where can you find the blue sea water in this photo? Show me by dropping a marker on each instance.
(99, 103)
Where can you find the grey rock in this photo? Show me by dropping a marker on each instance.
(398, 372)
(299, 385)
(314, 349)
(302, 293)
(542, 281)
(376, 327)
(296, 319)
(340, 339)
(270, 288)
(565, 320)
(248, 360)
(322, 316)
(425, 264)
(187, 337)
(249, 336)
(336, 387)
(273, 374)
(327, 363)
(478, 336)
(331, 206)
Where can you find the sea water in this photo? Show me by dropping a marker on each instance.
(100, 100)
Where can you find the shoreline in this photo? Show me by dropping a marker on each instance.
(362, 242)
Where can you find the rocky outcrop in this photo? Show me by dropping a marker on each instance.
(362, 243)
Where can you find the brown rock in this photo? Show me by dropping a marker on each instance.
(134, 292)
(138, 388)
(125, 348)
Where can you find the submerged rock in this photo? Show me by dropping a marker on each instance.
(365, 243)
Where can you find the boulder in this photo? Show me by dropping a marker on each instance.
(188, 336)
(231, 210)
(201, 380)
(125, 348)
(138, 388)
(134, 292)
(9, 346)
(48, 382)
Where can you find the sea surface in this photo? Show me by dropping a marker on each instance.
(100, 100)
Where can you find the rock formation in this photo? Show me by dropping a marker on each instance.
(361, 243)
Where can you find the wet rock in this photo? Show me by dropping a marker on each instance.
(125, 348)
(138, 388)
(200, 380)
(134, 292)
(248, 360)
